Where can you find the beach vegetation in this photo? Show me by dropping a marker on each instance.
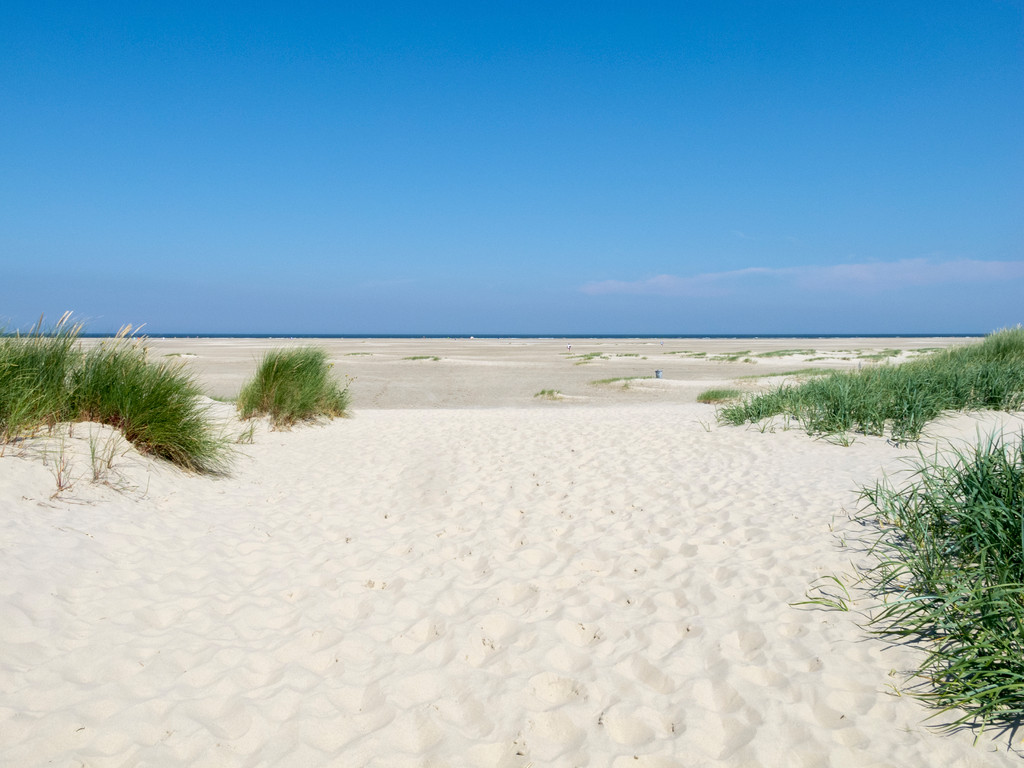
(732, 357)
(950, 573)
(899, 398)
(59, 464)
(103, 456)
(435, 358)
(828, 592)
(293, 385)
(685, 353)
(718, 395)
(549, 394)
(248, 435)
(156, 406)
(883, 354)
(586, 357)
(785, 352)
(797, 372)
(616, 379)
(46, 378)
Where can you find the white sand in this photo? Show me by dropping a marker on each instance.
(561, 585)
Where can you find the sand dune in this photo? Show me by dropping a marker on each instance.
(565, 585)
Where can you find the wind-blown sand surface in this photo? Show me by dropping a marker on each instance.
(580, 583)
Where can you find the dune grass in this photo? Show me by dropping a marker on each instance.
(155, 406)
(786, 352)
(718, 395)
(796, 372)
(900, 398)
(742, 356)
(883, 354)
(549, 394)
(46, 378)
(951, 567)
(34, 378)
(616, 379)
(292, 385)
(585, 357)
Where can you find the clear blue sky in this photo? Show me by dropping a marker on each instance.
(682, 167)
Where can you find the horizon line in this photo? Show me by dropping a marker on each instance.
(559, 335)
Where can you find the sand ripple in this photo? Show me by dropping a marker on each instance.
(577, 587)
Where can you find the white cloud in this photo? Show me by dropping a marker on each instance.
(871, 275)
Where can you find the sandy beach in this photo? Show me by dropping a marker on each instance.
(464, 573)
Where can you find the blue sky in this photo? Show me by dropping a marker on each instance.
(685, 167)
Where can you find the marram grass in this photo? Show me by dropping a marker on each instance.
(293, 385)
(155, 405)
(900, 398)
(34, 378)
(951, 570)
(46, 378)
(717, 395)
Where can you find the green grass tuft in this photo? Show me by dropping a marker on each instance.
(732, 357)
(435, 358)
(797, 372)
(549, 394)
(884, 354)
(616, 379)
(585, 357)
(35, 372)
(46, 378)
(786, 352)
(156, 406)
(293, 385)
(685, 353)
(951, 567)
(900, 398)
(718, 395)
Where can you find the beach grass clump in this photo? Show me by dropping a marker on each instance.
(585, 357)
(951, 566)
(685, 353)
(616, 379)
(800, 372)
(883, 354)
(732, 357)
(900, 398)
(785, 352)
(292, 385)
(46, 378)
(549, 394)
(718, 395)
(35, 370)
(157, 406)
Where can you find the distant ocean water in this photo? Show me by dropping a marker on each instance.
(897, 335)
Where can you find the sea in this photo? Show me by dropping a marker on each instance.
(542, 336)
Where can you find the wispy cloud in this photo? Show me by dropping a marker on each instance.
(866, 276)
